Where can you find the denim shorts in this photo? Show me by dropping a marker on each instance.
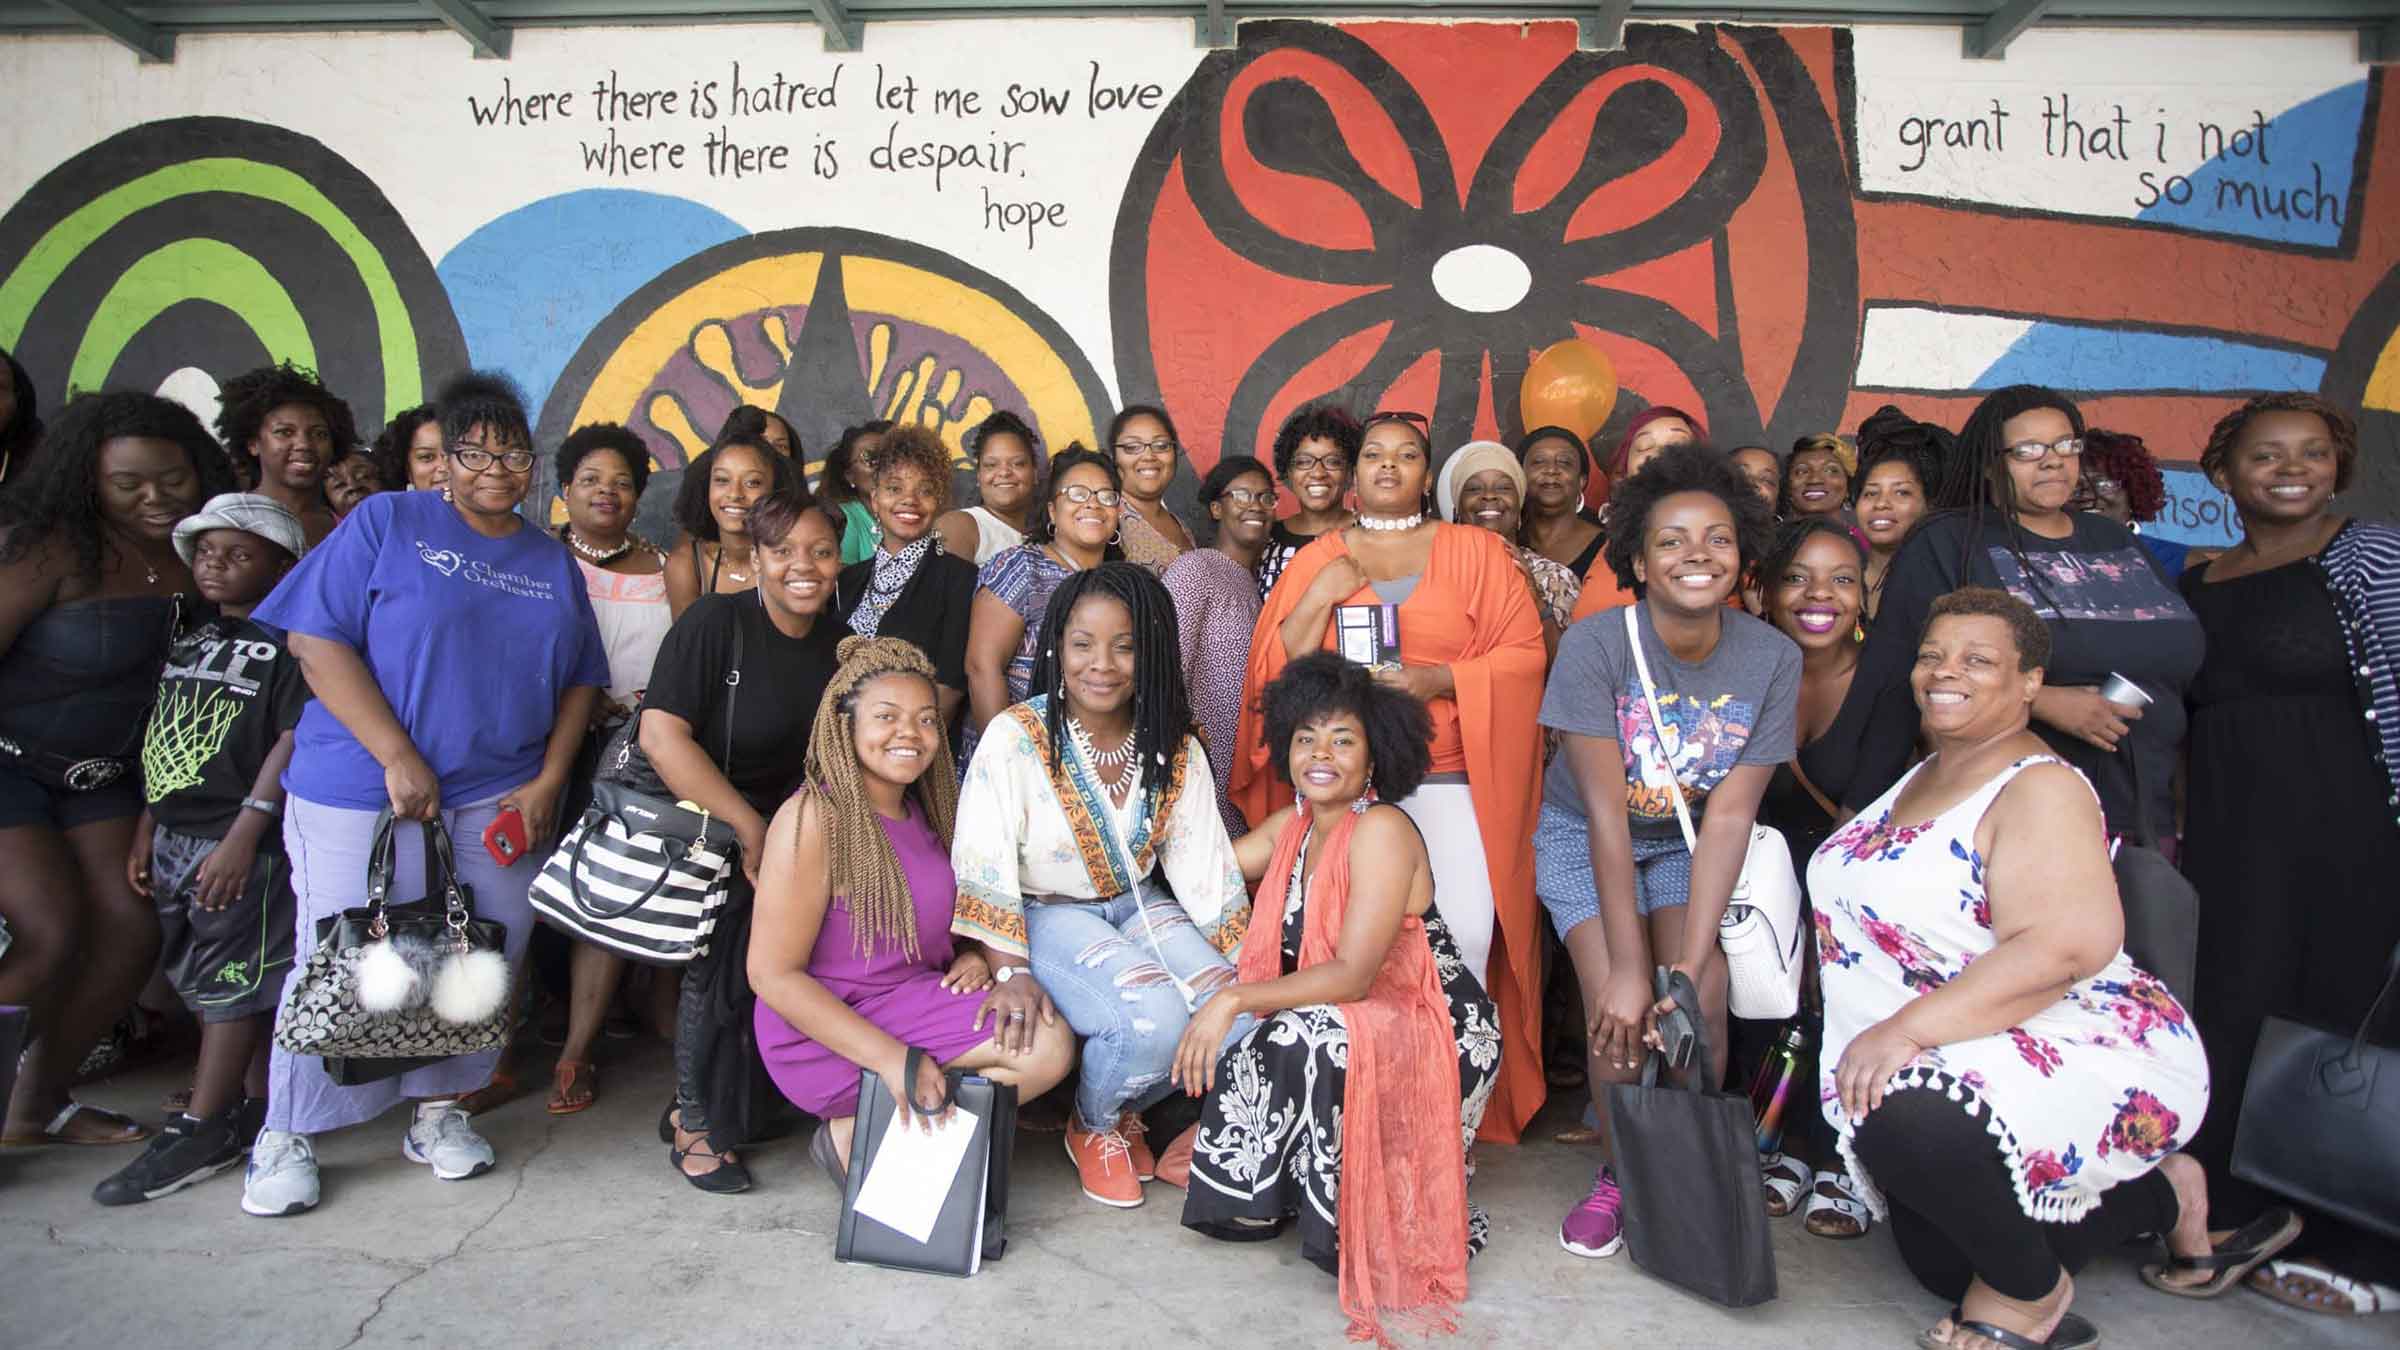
(1562, 870)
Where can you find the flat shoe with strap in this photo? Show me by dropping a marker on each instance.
(129, 1130)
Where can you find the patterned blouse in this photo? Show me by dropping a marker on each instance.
(1143, 543)
(1022, 579)
(1555, 586)
(1216, 607)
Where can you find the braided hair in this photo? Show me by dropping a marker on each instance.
(1983, 478)
(1162, 711)
(859, 862)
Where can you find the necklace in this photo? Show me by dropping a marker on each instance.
(1391, 524)
(1109, 762)
(599, 557)
(743, 577)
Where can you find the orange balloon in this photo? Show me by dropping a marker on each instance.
(1572, 384)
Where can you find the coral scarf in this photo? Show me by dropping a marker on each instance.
(1402, 1213)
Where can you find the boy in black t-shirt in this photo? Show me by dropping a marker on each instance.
(209, 850)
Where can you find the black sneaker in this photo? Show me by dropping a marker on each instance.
(185, 1151)
(248, 1119)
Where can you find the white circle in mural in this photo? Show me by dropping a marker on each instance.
(1482, 278)
(194, 389)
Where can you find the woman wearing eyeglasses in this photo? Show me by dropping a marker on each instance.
(454, 657)
(1470, 647)
(1146, 447)
(1215, 590)
(1074, 531)
(2009, 523)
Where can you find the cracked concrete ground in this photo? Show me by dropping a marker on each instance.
(584, 1237)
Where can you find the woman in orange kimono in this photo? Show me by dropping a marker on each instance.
(1470, 646)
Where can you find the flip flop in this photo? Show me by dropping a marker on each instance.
(574, 1086)
(129, 1131)
(2230, 1258)
(2074, 1332)
(2360, 1298)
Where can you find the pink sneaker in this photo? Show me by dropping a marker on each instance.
(1593, 1228)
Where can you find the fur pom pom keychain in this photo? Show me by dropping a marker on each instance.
(393, 974)
(463, 987)
(470, 986)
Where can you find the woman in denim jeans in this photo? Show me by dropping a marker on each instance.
(1075, 798)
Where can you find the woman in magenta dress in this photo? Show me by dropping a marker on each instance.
(850, 948)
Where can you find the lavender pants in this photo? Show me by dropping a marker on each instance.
(328, 848)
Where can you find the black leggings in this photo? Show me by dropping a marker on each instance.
(1954, 1210)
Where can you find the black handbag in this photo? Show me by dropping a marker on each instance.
(321, 1014)
(973, 1225)
(1687, 1164)
(2321, 1117)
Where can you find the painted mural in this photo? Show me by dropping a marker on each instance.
(1781, 228)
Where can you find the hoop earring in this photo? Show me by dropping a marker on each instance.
(1117, 540)
(1365, 798)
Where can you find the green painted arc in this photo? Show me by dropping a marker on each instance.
(50, 255)
(190, 269)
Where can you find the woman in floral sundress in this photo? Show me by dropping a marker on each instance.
(2009, 1090)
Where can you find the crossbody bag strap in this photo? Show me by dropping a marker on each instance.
(1641, 666)
(733, 695)
(1800, 776)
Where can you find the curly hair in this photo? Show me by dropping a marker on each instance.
(1162, 709)
(1988, 602)
(58, 494)
(860, 865)
(1911, 454)
(833, 481)
(245, 401)
(1323, 684)
(24, 429)
(1039, 527)
(1790, 537)
(390, 451)
(478, 398)
(1316, 422)
(916, 446)
(1691, 467)
(2217, 455)
(2122, 455)
(593, 437)
(751, 421)
(1888, 433)
(691, 512)
(1006, 423)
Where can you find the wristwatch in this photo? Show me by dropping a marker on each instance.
(1006, 973)
(271, 810)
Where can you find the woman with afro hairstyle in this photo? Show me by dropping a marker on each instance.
(91, 593)
(2110, 608)
(284, 430)
(1625, 891)
(2121, 481)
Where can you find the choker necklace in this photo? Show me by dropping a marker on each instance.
(599, 557)
(1393, 524)
(1110, 762)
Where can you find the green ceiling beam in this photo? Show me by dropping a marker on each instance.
(489, 39)
(842, 33)
(1988, 40)
(147, 41)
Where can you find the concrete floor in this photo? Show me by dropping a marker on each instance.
(584, 1237)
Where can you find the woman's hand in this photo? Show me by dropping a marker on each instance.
(1623, 1021)
(1012, 1006)
(2080, 712)
(537, 802)
(969, 973)
(1879, 1052)
(753, 837)
(1424, 683)
(1195, 1068)
(1336, 581)
(416, 793)
(929, 1089)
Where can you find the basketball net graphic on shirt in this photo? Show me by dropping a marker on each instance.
(187, 728)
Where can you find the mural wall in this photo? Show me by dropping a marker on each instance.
(1782, 228)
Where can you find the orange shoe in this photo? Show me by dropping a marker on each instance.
(1175, 1165)
(1137, 1146)
(1103, 1164)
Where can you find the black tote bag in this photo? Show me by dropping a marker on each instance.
(1687, 1163)
(2321, 1117)
(973, 1225)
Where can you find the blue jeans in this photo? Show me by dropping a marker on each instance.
(1096, 961)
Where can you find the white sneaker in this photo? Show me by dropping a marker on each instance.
(282, 1177)
(442, 1138)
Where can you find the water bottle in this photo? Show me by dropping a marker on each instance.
(1772, 1091)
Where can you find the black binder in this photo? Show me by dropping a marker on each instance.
(973, 1225)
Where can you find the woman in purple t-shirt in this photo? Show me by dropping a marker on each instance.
(454, 658)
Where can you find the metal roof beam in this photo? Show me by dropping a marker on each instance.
(148, 41)
(2380, 46)
(1212, 27)
(1603, 30)
(842, 33)
(489, 39)
(1988, 40)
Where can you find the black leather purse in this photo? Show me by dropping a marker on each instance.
(2321, 1117)
(973, 1225)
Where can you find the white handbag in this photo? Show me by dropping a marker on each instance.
(1761, 928)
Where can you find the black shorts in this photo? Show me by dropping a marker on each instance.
(228, 963)
(26, 800)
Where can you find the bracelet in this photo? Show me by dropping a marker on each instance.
(272, 810)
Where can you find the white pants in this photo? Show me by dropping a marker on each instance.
(1462, 881)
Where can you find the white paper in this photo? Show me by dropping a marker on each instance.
(911, 1175)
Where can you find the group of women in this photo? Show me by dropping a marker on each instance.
(1399, 714)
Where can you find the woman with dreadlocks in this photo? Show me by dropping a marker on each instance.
(1078, 796)
(2110, 610)
(284, 430)
(850, 946)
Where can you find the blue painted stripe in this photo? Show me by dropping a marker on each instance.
(2293, 189)
(2087, 356)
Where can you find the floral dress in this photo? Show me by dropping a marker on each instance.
(2091, 1091)
(1270, 1141)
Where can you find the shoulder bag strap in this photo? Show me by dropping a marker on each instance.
(1641, 666)
(2391, 977)
(733, 694)
(1800, 776)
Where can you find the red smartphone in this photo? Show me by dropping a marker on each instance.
(504, 838)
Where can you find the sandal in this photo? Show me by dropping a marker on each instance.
(1581, 1136)
(2073, 1333)
(574, 1085)
(1785, 1178)
(2231, 1256)
(127, 1129)
(175, 1103)
(728, 1177)
(1837, 1214)
(2286, 1282)
(820, 1148)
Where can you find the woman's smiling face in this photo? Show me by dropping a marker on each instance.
(1818, 599)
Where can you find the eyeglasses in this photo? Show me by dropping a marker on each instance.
(1394, 415)
(1246, 497)
(2034, 452)
(475, 459)
(1312, 463)
(1157, 447)
(1081, 495)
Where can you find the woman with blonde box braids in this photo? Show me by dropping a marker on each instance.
(850, 947)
